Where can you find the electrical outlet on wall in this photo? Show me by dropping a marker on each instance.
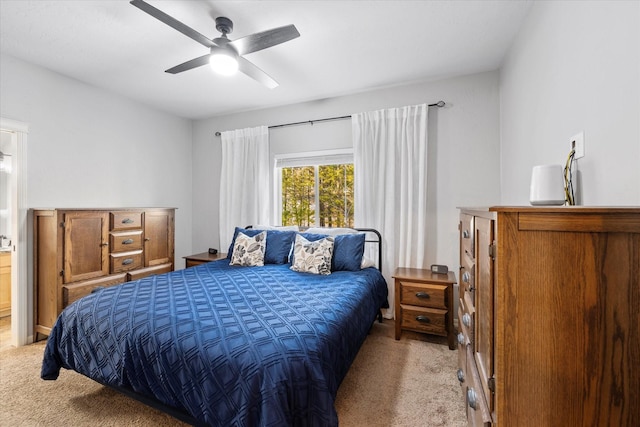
(577, 144)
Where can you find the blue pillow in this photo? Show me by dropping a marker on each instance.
(278, 244)
(348, 250)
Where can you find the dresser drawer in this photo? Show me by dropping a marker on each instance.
(424, 294)
(71, 293)
(467, 236)
(429, 320)
(467, 282)
(477, 409)
(149, 271)
(125, 220)
(125, 261)
(123, 241)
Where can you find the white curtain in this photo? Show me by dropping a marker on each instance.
(244, 181)
(390, 158)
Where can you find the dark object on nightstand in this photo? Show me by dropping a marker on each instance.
(213, 251)
(439, 269)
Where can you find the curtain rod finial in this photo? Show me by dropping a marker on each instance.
(218, 134)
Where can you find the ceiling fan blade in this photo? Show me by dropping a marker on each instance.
(172, 22)
(256, 73)
(194, 63)
(265, 39)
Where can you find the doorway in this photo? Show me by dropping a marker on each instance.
(13, 226)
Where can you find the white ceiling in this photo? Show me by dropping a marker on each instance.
(344, 46)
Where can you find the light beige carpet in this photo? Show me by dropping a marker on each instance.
(410, 382)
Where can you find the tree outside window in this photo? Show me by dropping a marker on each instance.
(320, 195)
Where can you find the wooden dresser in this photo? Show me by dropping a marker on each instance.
(78, 250)
(550, 316)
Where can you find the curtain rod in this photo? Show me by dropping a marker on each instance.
(438, 104)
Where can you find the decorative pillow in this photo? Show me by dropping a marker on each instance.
(348, 249)
(249, 250)
(347, 252)
(278, 244)
(312, 256)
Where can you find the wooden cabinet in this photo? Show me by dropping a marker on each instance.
(550, 325)
(424, 302)
(5, 283)
(79, 250)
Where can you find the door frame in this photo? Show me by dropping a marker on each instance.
(21, 304)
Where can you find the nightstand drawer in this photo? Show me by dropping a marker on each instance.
(429, 320)
(424, 294)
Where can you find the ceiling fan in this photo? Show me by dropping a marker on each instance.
(225, 56)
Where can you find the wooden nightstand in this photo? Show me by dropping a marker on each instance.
(197, 259)
(424, 303)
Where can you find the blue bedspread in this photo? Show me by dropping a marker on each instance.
(246, 346)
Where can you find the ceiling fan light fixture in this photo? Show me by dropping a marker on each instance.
(223, 61)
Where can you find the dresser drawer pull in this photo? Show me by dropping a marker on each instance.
(423, 319)
(127, 221)
(466, 277)
(127, 261)
(466, 319)
(472, 398)
(460, 374)
(127, 242)
(423, 295)
(465, 234)
(460, 338)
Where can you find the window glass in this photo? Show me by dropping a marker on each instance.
(316, 194)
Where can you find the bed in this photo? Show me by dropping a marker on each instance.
(220, 344)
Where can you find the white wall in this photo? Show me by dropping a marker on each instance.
(90, 148)
(464, 149)
(575, 66)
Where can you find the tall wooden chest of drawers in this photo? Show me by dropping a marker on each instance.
(550, 316)
(78, 250)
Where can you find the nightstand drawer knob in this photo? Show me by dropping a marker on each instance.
(423, 319)
(460, 338)
(466, 319)
(423, 295)
(127, 261)
(460, 374)
(127, 241)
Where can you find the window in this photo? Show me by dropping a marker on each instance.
(315, 189)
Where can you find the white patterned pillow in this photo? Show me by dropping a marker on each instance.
(312, 257)
(249, 251)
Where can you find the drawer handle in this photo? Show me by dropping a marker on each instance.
(127, 221)
(104, 244)
(127, 261)
(127, 242)
(423, 319)
(466, 277)
(472, 398)
(465, 234)
(423, 295)
(466, 319)
(460, 338)
(460, 374)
